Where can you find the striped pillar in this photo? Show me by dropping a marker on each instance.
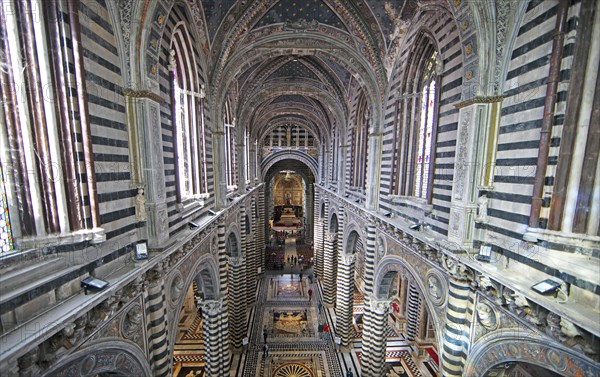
(260, 231)
(413, 312)
(329, 266)
(457, 328)
(223, 346)
(254, 255)
(237, 295)
(318, 237)
(248, 252)
(157, 323)
(214, 334)
(345, 304)
(374, 336)
(370, 252)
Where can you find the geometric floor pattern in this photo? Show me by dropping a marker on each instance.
(296, 349)
(291, 319)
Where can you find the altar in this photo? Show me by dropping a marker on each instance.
(288, 213)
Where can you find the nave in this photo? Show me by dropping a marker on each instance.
(290, 310)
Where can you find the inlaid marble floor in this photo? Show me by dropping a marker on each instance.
(295, 346)
(283, 308)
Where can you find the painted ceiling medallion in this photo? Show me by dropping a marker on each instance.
(293, 370)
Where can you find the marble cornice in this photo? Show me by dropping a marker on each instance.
(478, 99)
(143, 94)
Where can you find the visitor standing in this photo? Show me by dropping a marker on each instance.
(265, 351)
(349, 373)
(309, 294)
(265, 333)
(320, 330)
(326, 331)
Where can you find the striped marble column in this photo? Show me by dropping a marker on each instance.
(329, 267)
(345, 302)
(318, 237)
(457, 328)
(260, 235)
(248, 258)
(157, 322)
(223, 346)
(374, 336)
(216, 363)
(254, 254)
(412, 312)
(370, 253)
(237, 295)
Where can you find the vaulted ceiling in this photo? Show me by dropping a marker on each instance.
(299, 62)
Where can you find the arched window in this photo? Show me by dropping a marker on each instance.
(247, 155)
(6, 240)
(415, 126)
(230, 160)
(48, 174)
(359, 136)
(188, 119)
(424, 137)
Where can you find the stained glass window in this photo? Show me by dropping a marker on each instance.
(6, 240)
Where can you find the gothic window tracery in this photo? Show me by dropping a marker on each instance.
(230, 157)
(48, 172)
(359, 137)
(189, 127)
(415, 128)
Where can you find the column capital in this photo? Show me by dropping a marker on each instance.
(212, 307)
(331, 236)
(379, 305)
(347, 259)
(456, 269)
(236, 261)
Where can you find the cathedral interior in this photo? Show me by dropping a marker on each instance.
(302, 188)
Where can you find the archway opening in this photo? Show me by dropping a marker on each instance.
(289, 200)
(411, 323)
(189, 348)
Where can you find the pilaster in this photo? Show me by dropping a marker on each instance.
(341, 178)
(147, 162)
(218, 142)
(373, 171)
(473, 168)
